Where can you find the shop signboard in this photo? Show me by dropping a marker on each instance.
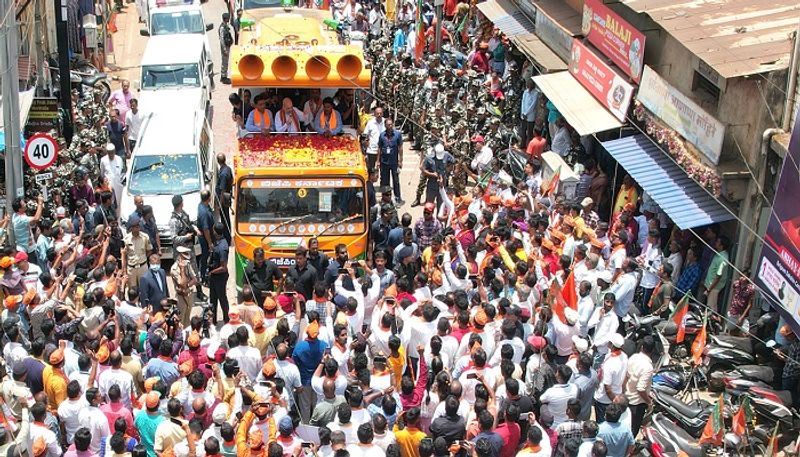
(614, 37)
(778, 272)
(682, 114)
(608, 87)
(43, 115)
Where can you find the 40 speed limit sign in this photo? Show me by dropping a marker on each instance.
(41, 151)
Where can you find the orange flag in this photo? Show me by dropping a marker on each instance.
(699, 344)
(558, 302)
(742, 417)
(715, 427)
(678, 316)
(568, 292)
(550, 188)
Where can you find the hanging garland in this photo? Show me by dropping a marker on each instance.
(676, 145)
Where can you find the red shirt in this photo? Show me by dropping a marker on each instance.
(536, 147)
(459, 333)
(509, 431)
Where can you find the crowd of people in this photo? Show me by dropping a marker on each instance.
(449, 339)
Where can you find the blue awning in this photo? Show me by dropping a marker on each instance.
(684, 201)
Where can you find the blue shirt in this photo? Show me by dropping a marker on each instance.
(166, 370)
(389, 146)
(205, 219)
(22, 231)
(399, 41)
(617, 437)
(307, 356)
(528, 107)
(219, 256)
(322, 128)
(690, 277)
(494, 439)
(224, 180)
(147, 425)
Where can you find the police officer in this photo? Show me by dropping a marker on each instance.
(225, 43)
(218, 273)
(205, 223)
(184, 233)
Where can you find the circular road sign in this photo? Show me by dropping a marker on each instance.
(41, 151)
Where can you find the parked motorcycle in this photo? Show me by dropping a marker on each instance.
(83, 76)
(636, 328)
(663, 438)
(725, 353)
(691, 416)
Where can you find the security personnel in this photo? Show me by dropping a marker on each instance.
(218, 272)
(205, 223)
(225, 43)
(184, 233)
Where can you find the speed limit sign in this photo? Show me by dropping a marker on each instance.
(41, 151)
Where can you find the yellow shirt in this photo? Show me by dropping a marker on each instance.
(408, 439)
(55, 386)
(397, 365)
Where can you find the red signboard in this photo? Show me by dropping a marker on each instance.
(614, 37)
(608, 87)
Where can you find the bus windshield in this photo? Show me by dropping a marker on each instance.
(314, 203)
(177, 22)
(164, 175)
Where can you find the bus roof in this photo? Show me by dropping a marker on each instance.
(258, 154)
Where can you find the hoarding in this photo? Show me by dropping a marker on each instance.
(608, 87)
(778, 271)
(614, 37)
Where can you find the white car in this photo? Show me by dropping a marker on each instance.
(175, 17)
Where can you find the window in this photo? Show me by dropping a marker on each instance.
(164, 175)
(178, 23)
(705, 88)
(156, 76)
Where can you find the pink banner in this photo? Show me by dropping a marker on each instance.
(608, 87)
(614, 37)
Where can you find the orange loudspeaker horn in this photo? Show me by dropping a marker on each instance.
(349, 67)
(317, 68)
(251, 66)
(284, 68)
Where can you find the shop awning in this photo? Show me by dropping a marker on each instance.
(25, 102)
(684, 201)
(542, 55)
(581, 110)
(506, 17)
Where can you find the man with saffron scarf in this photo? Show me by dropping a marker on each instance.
(289, 119)
(328, 121)
(307, 356)
(260, 119)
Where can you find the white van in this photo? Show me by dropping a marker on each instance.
(176, 70)
(175, 17)
(174, 156)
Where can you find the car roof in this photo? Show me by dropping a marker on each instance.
(170, 131)
(173, 49)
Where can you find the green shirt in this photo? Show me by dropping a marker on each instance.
(718, 267)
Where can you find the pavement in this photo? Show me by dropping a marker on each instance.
(124, 63)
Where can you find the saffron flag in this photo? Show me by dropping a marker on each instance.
(699, 344)
(419, 46)
(715, 427)
(679, 317)
(569, 292)
(551, 186)
(742, 417)
(557, 301)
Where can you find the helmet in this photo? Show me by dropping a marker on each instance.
(669, 378)
(81, 172)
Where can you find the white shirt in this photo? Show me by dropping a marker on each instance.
(604, 326)
(14, 353)
(585, 311)
(349, 430)
(563, 335)
(676, 260)
(560, 143)
(289, 126)
(373, 131)
(519, 351)
(69, 413)
(614, 369)
(640, 374)
(556, 399)
(468, 385)
(290, 375)
(97, 423)
(615, 261)
(623, 290)
(53, 448)
(651, 259)
(112, 168)
(119, 377)
(384, 440)
(367, 450)
(133, 122)
(310, 111)
(481, 160)
(249, 359)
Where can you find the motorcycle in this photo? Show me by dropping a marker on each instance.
(741, 379)
(83, 76)
(725, 353)
(663, 438)
(691, 416)
(637, 327)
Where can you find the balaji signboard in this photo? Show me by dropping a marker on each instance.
(608, 87)
(614, 37)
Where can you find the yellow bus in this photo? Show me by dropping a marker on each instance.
(291, 187)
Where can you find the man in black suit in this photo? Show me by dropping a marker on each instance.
(153, 284)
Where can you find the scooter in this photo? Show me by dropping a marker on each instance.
(741, 379)
(691, 416)
(663, 438)
(637, 328)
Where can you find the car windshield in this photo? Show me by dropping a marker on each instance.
(313, 202)
(177, 22)
(164, 175)
(180, 75)
(254, 4)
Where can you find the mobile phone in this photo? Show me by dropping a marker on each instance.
(327, 351)
(472, 376)
(305, 444)
(343, 271)
(389, 301)
(289, 294)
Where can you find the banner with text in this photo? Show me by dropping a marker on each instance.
(614, 37)
(779, 269)
(600, 80)
(682, 114)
